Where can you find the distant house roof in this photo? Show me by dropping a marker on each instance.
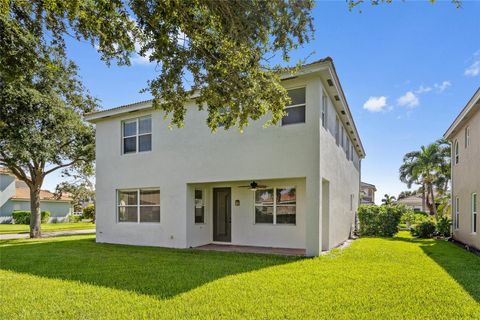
(415, 199)
(472, 106)
(4, 170)
(24, 194)
(367, 185)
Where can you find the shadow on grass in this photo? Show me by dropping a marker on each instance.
(461, 265)
(160, 272)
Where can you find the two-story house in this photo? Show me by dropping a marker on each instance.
(464, 135)
(292, 185)
(367, 193)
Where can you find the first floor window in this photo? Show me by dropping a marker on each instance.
(199, 207)
(138, 205)
(457, 213)
(276, 205)
(474, 212)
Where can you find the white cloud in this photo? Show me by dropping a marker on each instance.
(375, 104)
(474, 69)
(443, 86)
(409, 99)
(423, 89)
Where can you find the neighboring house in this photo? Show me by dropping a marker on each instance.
(414, 202)
(367, 193)
(464, 135)
(15, 195)
(292, 185)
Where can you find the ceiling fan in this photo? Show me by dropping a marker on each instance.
(254, 186)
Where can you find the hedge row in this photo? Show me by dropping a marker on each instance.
(23, 216)
(381, 221)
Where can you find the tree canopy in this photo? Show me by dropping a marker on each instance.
(216, 49)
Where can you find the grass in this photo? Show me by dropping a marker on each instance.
(46, 227)
(76, 278)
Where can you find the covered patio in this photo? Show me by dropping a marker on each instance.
(252, 249)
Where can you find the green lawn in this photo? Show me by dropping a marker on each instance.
(75, 278)
(47, 227)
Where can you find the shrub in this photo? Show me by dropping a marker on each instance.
(425, 229)
(23, 216)
(74, 218)
(45, 216)
(443, 227)
(411, 218)
(89, 212)
(379, 220)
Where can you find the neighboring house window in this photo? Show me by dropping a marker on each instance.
(138, 205)
(337, 131)
(457, 213)
(296, 110)
(456, 152)
(199, 207)
(137, 135)
(467, 137)
(324, 110)
(474, 213)
(276, 205)
(351, 152)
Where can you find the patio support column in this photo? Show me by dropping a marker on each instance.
(312, 226)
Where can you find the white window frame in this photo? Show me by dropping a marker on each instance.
(275, 207)
(138, 205)
(467, 137)
(304, 105)
(324, 110)
(457, 213)
(203, 205)
(456, 152)
(474, 205)
(137, 135)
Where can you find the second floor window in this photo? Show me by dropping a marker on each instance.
(137, 135)
(456, 152)
(467, 137)
(324, 110)
(296, 109)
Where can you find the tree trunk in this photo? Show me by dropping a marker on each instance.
(434, 206)
(423, 198)
(35, 218)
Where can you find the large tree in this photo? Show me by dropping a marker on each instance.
(220, 50)
(430, 168)
(41, 107)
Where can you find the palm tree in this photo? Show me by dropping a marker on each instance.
(388, 200)
(430, 168)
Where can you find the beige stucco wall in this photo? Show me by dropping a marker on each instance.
(466, 180)
(182, 158)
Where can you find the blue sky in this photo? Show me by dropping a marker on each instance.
(407, 69)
